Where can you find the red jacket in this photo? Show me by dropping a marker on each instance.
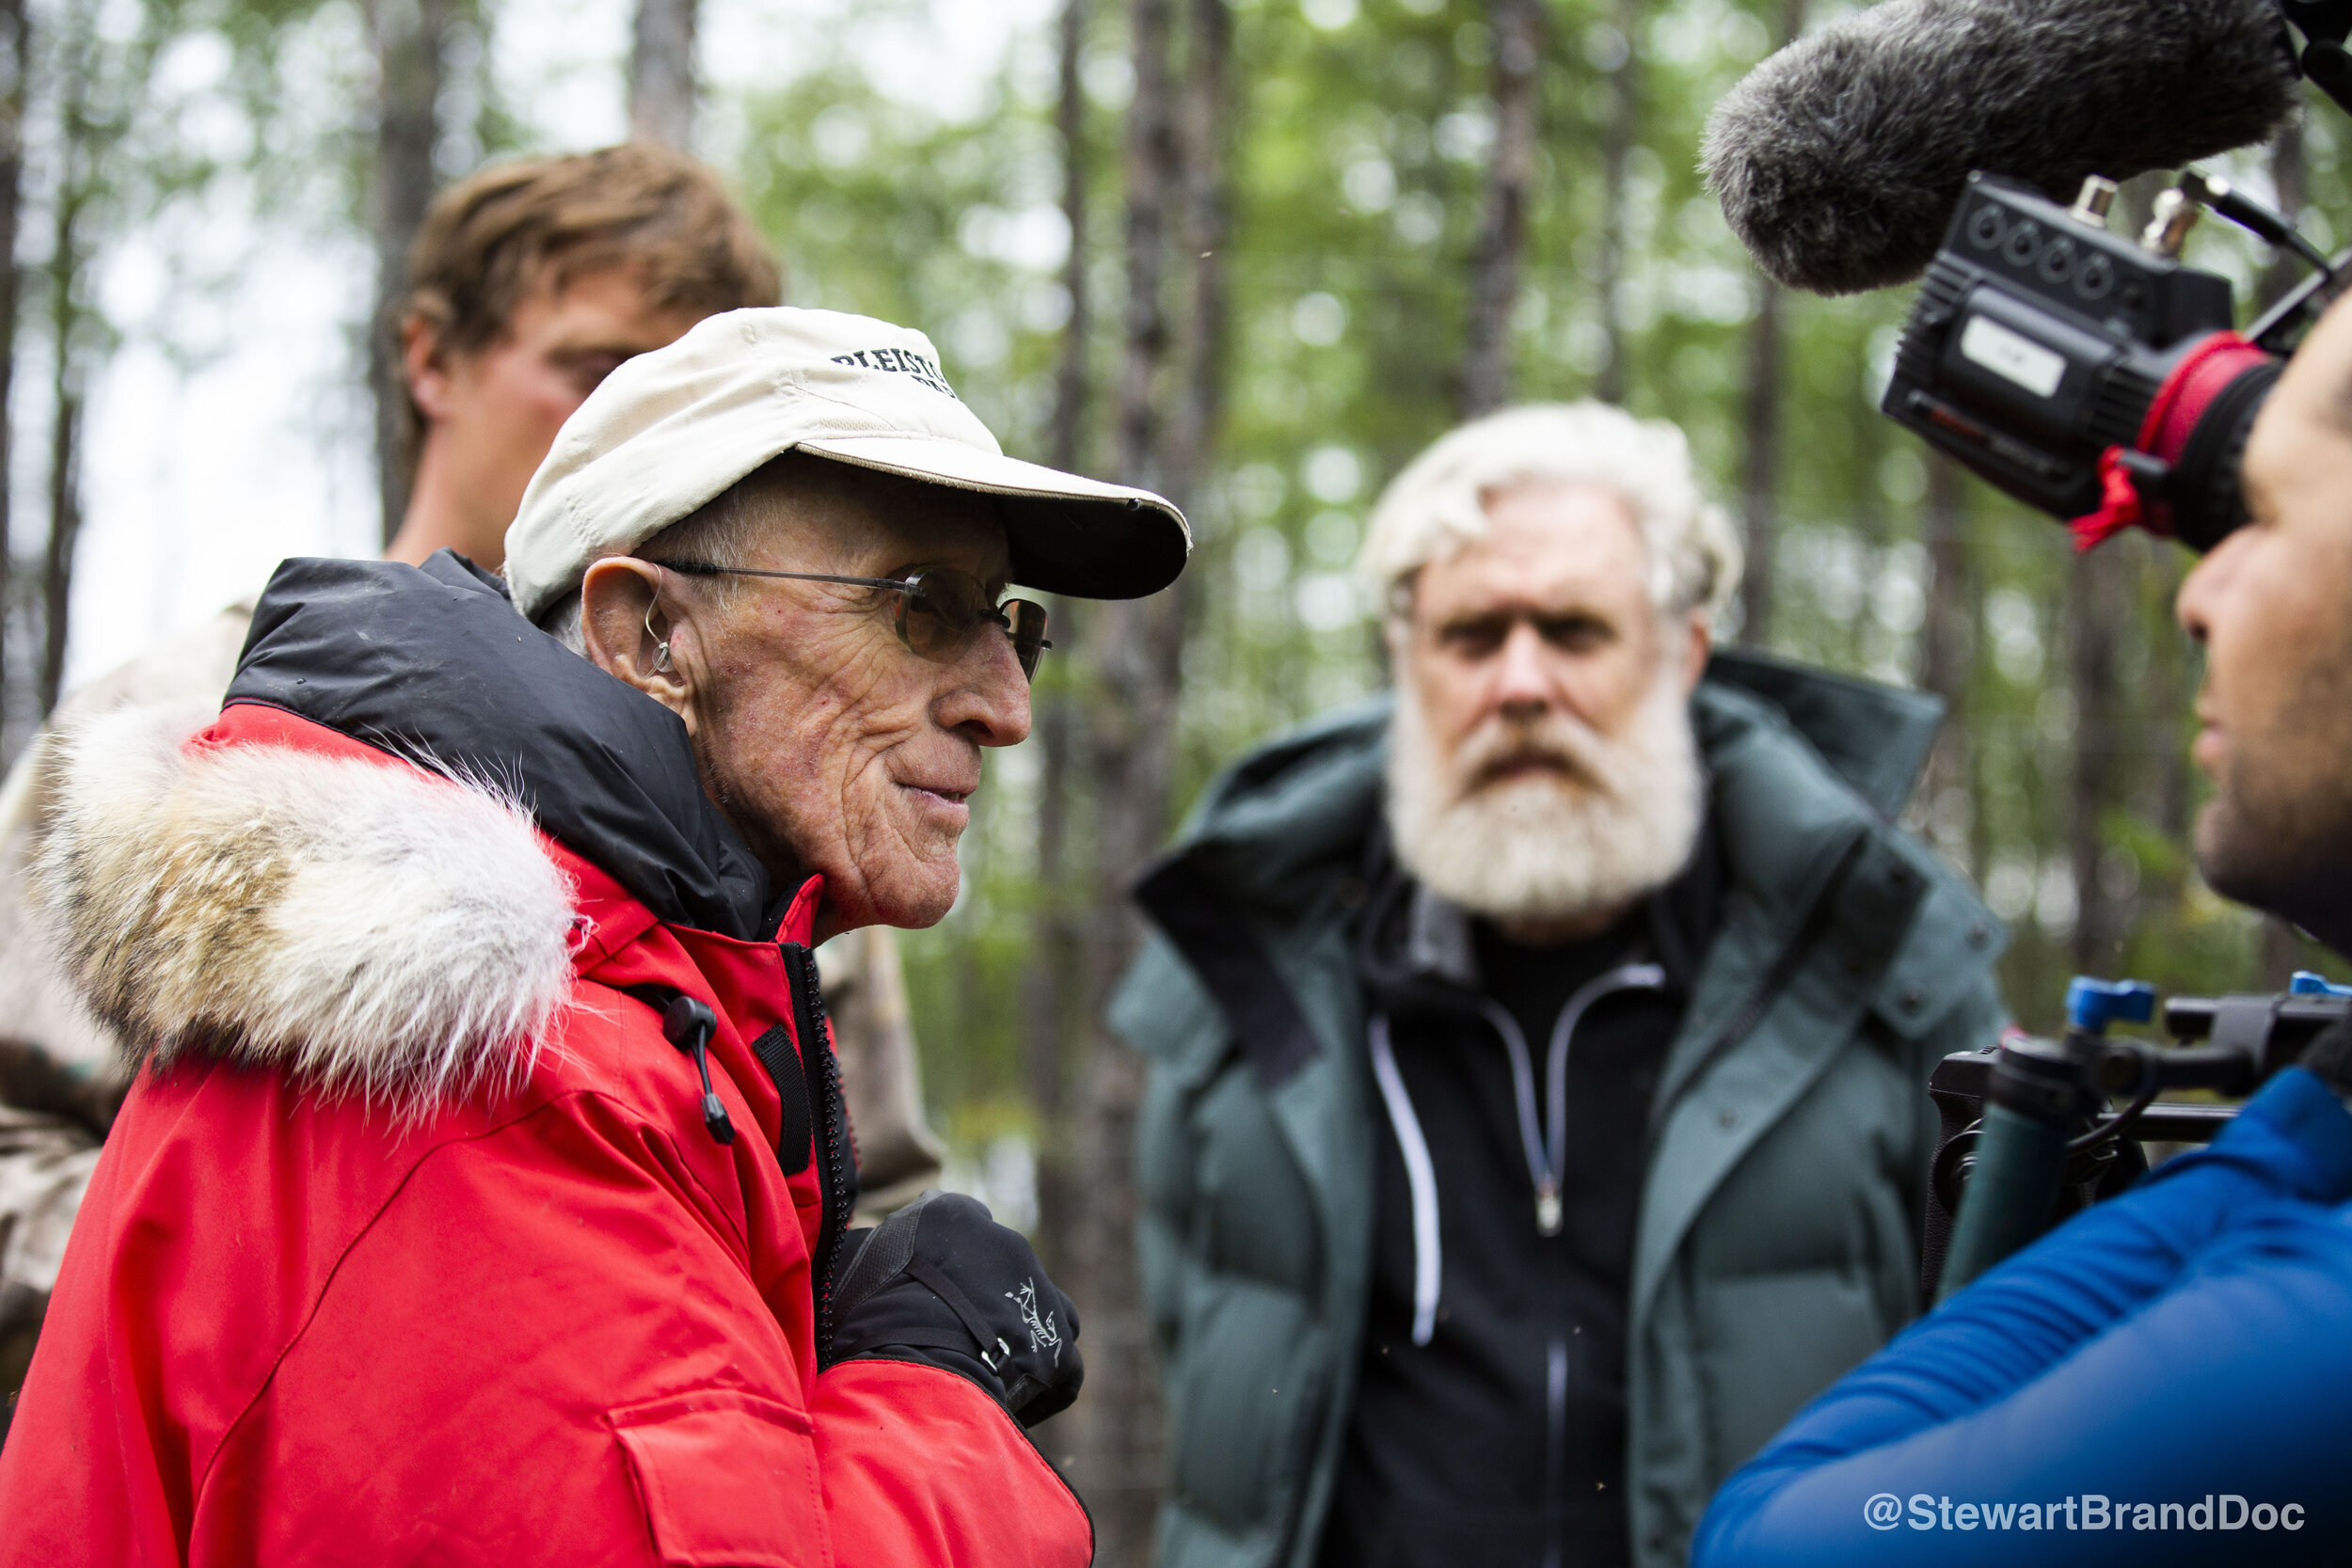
(326, 1306)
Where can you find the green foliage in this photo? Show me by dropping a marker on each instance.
(881, 211)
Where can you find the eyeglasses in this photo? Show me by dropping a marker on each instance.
(938, 608)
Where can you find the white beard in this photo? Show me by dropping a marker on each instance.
(1619, 821)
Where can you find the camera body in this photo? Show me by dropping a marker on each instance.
(2078, 370)
(2231, 1045)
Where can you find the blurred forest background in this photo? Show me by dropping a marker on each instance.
(1254, 253)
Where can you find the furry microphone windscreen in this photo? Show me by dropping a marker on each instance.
(1840, 158)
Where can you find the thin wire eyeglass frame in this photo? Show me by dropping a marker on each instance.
(1013, 615)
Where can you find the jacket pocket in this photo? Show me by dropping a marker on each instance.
(728, 1480)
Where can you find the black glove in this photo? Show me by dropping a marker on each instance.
(942, 1283)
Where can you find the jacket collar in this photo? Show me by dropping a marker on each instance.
(1416, 948)
(416, 818)
(1875, 737)
(433, 665)
(267, 891)
(1278, 841)
(1268, 829)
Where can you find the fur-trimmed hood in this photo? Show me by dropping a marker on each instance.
(350, 899)
(372, 927)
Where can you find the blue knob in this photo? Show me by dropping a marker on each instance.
(2092, 1005)
(2304, 983)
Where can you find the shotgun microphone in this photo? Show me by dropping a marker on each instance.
(1840, 159)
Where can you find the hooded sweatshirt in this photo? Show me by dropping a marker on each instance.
(1488, 1425)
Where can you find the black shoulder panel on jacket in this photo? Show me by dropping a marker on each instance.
(432, 664)
(1203, 925)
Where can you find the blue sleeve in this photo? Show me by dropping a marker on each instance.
(2188, 1343)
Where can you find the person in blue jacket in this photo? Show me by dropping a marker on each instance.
(2168, 1378)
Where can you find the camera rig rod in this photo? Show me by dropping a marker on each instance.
(2040, 1090)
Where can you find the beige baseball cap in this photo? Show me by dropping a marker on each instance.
(669, 431)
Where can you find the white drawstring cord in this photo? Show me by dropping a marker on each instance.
(1420, 1176)
(1546, 1158)
(1546, 1149)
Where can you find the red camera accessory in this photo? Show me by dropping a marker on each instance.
(2180, 479)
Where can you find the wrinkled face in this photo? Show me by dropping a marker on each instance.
(2272, 604)
(1548, 618)
(494, 413)
(829, 745)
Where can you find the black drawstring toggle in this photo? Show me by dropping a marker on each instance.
(689, 1024)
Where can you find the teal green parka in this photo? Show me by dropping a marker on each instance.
(1779, 1227)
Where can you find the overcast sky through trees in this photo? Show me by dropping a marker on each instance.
(229, 431)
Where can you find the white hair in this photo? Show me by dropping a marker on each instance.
(1439, 503)
(722, 532)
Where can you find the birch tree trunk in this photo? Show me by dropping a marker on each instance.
(1130, 654)
(661, 73)
(1617, 142)
(16, 63)
(410, 38)
(1516, 27)
(1759, 472)
(1948, 661)
(67, 388)
(2102, 605)
(2280, 952)
(1051, 997)
(72, 209)
(2099, 608)
(1152, 176)
(1204, 125)
(1071, 384)
(2169, 689)
(1760, 427)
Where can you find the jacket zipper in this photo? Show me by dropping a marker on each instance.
(1545, 1140)
(837, 1167)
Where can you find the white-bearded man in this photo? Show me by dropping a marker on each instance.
(1537, 1114)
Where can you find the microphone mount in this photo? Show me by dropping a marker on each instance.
(2326, 64)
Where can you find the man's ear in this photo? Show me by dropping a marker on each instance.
(424, 366)
(628, 633)
(1694, 655)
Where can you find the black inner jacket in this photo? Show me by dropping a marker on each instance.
(1502, 1442)
(433, 664)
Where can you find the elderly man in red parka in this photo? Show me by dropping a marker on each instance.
(481, 1198)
